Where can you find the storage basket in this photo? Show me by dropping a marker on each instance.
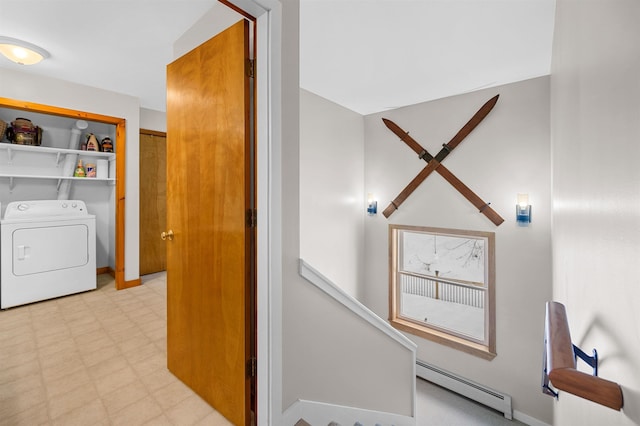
(23, 132)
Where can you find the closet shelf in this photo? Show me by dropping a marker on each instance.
(87, 179)
(47, 150)
(11, 178)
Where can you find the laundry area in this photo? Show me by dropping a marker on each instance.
(48, 250)
(57, 205)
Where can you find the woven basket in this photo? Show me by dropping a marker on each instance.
(3, 128)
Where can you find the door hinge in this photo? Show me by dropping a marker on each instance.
(252, 218)
(252, 367)
(250, 68)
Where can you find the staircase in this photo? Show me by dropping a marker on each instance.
(302, 422)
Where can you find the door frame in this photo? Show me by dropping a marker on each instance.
(147, 132)
(268, 14)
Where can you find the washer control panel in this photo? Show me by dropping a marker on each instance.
(45, 208)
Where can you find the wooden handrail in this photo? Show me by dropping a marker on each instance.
(561, 363)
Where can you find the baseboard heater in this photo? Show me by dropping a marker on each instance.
(460, 385)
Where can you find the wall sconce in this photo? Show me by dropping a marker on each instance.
(21, 52)
(372, 205)
(523, 210)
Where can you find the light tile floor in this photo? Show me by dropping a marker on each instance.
(95, 358)
(99, 358)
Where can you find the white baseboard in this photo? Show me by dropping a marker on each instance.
(526, 419)
(320, 413)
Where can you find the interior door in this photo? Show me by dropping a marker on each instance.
(153, 201)
(210, 285)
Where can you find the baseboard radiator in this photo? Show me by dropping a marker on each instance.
(479, 393)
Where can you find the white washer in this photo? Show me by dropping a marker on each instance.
(47, 250)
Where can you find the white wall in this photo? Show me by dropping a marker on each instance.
(595, 106)
(217, 19)
(506, 154)
(336, 357)
(48, 91)
(322, 358)
(332, 195)
(153, 120)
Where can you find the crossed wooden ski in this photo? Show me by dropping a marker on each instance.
(434, 164)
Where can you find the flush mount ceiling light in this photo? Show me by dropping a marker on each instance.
(21, 52)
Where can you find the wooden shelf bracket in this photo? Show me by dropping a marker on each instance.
(559, 364)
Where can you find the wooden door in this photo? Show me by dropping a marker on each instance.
(210, 286)
(153, 201)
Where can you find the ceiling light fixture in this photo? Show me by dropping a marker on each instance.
(21, 52)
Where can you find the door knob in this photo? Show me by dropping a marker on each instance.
(167, 235)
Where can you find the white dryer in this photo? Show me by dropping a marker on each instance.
(47, 250)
